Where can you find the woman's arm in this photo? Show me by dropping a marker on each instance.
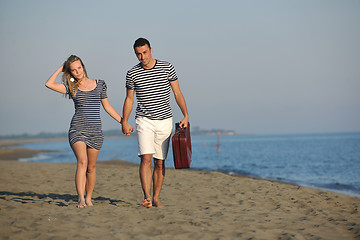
(110, 110)
(58, 87)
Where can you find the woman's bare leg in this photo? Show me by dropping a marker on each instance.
(80, 152)
(91, 174)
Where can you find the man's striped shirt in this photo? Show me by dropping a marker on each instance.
(152, 88)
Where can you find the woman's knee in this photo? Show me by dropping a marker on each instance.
(91, 168)
(82, 162)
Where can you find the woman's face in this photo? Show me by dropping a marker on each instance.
(77, 70)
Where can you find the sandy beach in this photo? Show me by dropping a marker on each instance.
(37, 201)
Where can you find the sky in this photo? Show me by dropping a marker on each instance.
(252, 66)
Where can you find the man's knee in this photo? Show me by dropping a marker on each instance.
(159, 164)
(146, 159)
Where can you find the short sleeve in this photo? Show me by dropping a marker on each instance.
(172, 73)
(129, 81)
(67, 88)
(103, 90)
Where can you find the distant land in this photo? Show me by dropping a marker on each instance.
(198, 131)
(195, 131)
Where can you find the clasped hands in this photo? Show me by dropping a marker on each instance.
(127, 129)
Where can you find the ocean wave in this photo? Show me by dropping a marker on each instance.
(41, 157)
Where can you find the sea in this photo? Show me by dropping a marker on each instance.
(322, 161)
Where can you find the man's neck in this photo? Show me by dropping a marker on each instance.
(150, 65)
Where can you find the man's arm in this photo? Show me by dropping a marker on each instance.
(128, 103)
(180, 100)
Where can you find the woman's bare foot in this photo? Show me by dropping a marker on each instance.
(89, 202)
(147, 202)
(158, 204)
(81, 204)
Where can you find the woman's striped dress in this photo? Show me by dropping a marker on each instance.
(86, 123)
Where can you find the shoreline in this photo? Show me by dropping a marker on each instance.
(15, 154)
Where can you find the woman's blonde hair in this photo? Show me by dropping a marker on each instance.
(73, 85)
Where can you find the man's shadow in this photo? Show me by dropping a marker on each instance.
(61, 200)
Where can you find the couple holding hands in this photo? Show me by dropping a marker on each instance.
(152, 80)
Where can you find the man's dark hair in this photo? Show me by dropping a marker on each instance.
(141, 42)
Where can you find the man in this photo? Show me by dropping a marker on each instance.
(152, 81)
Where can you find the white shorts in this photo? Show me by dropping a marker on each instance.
(153, 136)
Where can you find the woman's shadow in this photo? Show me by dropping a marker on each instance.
(61, 200)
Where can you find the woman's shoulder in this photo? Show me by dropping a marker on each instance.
(101, 84)
(100, 81)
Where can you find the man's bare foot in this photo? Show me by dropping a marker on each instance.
(89, 203)
(81, 204)
(158, 204)
(147, 202)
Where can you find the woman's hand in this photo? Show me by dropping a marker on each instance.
(127, 129)
(63, 67)
(50, 83)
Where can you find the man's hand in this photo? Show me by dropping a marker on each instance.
(127, 129)
(184, 123)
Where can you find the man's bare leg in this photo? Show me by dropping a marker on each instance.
(158, 179)
(145, 178)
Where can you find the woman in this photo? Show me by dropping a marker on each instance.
(85, 134)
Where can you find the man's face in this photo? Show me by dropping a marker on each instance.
(144, 54)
